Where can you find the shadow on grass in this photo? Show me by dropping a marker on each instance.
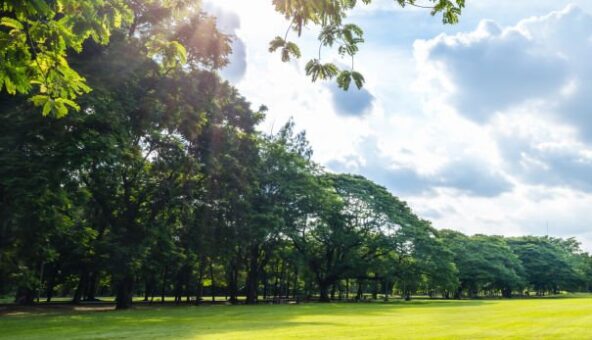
(192, 321)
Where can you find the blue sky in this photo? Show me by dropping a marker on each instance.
(483, 127)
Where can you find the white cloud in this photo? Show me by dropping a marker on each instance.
(527, 85)
(484, 130)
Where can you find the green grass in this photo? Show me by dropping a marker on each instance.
(560, 318)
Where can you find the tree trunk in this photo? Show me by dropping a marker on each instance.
(458, 293)
(91, 287)
(233, 284)
(324, 291)
(24, 296)
(360, 293)
(50, 285)
(346, 289)
(200, 287)
(265, 286)
(295, 284)
(507, 292)
(163, 287)
(213, 289)
(124, 295)
(80, 288)
(253, 276)
(146, 291)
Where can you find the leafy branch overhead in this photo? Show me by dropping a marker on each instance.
(329, 15)
(37, 38)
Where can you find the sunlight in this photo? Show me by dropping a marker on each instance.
(258, 16)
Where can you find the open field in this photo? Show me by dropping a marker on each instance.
(546, 318)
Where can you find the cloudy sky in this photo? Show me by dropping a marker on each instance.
(483, 127)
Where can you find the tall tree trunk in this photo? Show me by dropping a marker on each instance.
(200, 287)
(276, 281)
(360, 292)
(233, 284)
(324, 292)
(146, 290)
(265, 285)
(213, 289)
(253, 275)
(91, 286)
(163, 287)
(80, 287)
(458, 293)
(295, 284)
(41, 270)
(346, 289)
(507, 292)
(24, 296)
(124, 295)
(50, 284)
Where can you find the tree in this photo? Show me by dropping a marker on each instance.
(420, 258)
(485, 264)
(34, 188)
(284, 174)
(549, 264)
(349, 226)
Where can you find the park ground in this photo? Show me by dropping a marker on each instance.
(535, 318)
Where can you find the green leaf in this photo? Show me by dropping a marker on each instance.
(344, 79)
(358, 79)
(276, 43)
(180, 51)
(290, 50)
(41, 6)
(10, 87)
(348, 49)
(12, 23)
(316, 70)
(39, 99)
(60, 109)
(47, 108)
(328, 35)
(69, 102)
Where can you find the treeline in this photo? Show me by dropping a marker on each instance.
(161, 185)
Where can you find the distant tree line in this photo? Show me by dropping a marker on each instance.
(160, 185)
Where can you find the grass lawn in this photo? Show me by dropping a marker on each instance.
(552, 318)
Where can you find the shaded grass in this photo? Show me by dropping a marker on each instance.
(569, 318)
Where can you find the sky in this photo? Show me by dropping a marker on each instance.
(482, 127)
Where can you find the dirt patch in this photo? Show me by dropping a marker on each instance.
(14, 310)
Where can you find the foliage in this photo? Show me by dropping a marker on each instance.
(330, 16)
(38, 39)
